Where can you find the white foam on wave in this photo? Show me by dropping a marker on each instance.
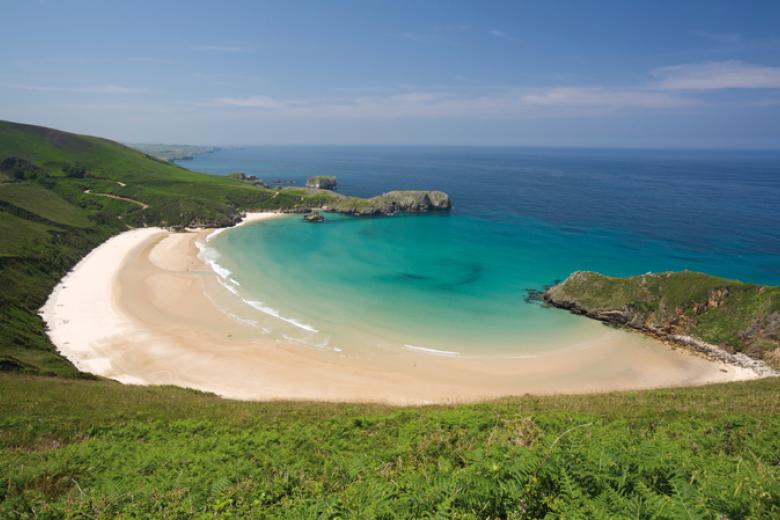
(228, 287)
(429, 350)
(260, 306)
(209, 255)
(215, 233)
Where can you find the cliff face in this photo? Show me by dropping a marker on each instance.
(391, 203)
(695, 310)
(321, 182)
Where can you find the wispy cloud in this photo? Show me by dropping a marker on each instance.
(715, 75)
(498, 34)
(414, 37)
(88, 89)
(421, 104)
(220, 48)
(260, 102)
(457, 28)
(607, 97)
(674, 87)
(142, 59)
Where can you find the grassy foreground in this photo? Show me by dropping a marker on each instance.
(72, 447)
(93, 449)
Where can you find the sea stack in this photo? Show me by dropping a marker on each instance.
(321, 182)
(314, 216)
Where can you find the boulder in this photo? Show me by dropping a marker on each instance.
(314, 216)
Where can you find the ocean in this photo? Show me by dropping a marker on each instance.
(522, 218)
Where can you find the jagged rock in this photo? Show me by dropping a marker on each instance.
(314, 216)
(683, 308)
(394, 202)
(321, 182)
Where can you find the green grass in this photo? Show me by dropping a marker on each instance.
(746, 317)
(36, 199)
(80, 447)
(22, 237)
(72, 448)
(48, 223)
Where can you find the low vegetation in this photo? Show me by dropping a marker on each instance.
(80, 447)
(93, 449)
(738, 316)
(62, 194)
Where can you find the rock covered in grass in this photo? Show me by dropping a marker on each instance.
(725, 319)
(321, 182)
(314, 216)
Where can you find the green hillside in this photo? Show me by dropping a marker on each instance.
(56, 204)
(739, 316)
(90, 449)
(74, 446)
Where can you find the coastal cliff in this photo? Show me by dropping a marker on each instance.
(391, 203)
(724, 319)
(321, 182)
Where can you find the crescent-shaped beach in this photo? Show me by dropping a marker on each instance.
(143, 308)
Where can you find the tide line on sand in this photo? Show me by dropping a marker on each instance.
(137, 310)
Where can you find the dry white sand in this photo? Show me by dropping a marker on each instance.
(137, 309)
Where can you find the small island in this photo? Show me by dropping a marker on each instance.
(321, 182)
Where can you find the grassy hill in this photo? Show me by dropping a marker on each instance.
(738, 316)
(93, 449)
(62, 194)
(80, 447)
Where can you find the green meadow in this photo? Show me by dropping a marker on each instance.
(75, 446)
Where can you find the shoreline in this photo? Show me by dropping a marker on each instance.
(160, 316)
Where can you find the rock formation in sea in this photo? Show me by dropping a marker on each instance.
(321, 182)
(731, 321)
(314, 216)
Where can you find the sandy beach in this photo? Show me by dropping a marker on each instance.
(143, 308)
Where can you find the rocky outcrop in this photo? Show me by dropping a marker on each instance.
(726, 320)
(251, 179)
(393, 202)
(314, 216)
(321, 182)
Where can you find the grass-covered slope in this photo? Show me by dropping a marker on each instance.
(62, 194)
(738, 316)
(94, 449)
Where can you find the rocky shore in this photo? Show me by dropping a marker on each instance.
(725, 320)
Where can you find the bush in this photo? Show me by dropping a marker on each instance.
(75, 170)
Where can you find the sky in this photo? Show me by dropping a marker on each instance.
(626, 74)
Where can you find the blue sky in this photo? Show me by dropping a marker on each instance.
(540, 73)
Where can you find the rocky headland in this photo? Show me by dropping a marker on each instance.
(727, 320)
(321, 182)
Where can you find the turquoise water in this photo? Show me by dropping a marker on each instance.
(456, 282)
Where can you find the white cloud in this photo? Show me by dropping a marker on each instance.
(498, 34)
(220, 48)
(714, 75)
(501, 103)
(263, 102)
(150, 60)
(89, 89)
(606, 97)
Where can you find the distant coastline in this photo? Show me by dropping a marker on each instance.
(173, 152)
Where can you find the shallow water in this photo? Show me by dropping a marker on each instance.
(522, 218)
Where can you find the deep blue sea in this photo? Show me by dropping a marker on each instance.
(521, 218)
